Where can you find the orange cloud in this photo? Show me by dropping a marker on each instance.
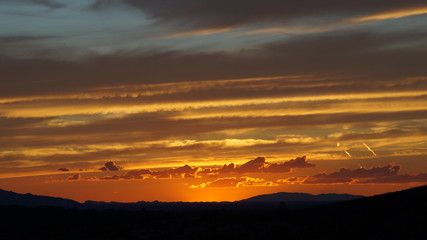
(181, 172)
(74, 177)
(392, 14)
(235, 182)
(259, 165)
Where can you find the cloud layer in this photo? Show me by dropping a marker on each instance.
(173, 90)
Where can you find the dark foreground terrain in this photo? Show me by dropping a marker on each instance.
(399, 215)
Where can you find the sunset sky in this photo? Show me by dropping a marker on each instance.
(212, 100)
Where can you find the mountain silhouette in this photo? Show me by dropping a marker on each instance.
(396, 215)
(267, 201)
(28, 199)
(301, 197)
(391, 216)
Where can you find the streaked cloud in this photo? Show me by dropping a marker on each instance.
(187, 93)
(392, 14)
(221, 13)
(400, 179)
(235, 182)
(199, 32)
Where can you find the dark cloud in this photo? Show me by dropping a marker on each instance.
(100, 4)
(405, 178)
(63, 169)
(391, 133)
(12, 124)
(72, 158)
(223, 13)
(299, 162)
(184, 171)
(157, 126)
(46, 3)
(23, 38)
(110, 166)
(137, 174)
(386, 174)
(114, 177)
(75, 177)
(256, 165)
(348, 54)
(180, 172)
(389, 170)
(259, 165)
(12, 157)
(52, 4)
(345, 175)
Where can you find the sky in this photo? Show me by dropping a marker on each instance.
(212, 100)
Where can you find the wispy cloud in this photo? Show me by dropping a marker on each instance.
(392, 14)
(232, 182)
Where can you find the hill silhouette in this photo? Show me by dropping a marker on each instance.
(28, 199)
(301, 197)
(398, 215)
(292, 200)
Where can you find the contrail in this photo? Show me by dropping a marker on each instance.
(348, 154)
(372, 151)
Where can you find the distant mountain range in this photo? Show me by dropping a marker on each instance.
(391, 216)
(292, 200)
(30, 200)
(302, 197)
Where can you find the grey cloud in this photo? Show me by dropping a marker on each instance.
(322, 180)
(12, 157)
(256, 165)
(110, 166)
(223, 13)
(200, 91)
(259, 165)
(392, 133)
(345, 175)
(158, 126)
(8, 124)
(405, 178)
(299, 162)
(47, 3)
(137, 174)
(22, 38)
(180, 172)
(74, 177)
(389, 170)
(101, 4)
(184, 171)
(359, 55)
